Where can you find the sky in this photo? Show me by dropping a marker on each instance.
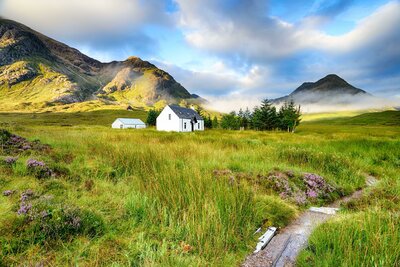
(233, 52)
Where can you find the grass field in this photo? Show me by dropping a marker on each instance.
(148, 198)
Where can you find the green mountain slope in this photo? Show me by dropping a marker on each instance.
(37, 71)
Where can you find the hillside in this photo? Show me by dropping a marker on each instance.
(37, 71)
(331, 91)
(387, 118)
(331, 83)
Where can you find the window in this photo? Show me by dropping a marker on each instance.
(169, 116)
(184, 125)
(198, 126)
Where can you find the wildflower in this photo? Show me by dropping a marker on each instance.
(16, 139)
(26, 195)
(300, 198)
(26, 147)
(32, 163)
(8, 193)
(283, 195)
(312, 194)
(24, 208)
(316, 182)
(10, 160)
(39, 168)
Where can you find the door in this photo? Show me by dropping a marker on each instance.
(192, 124)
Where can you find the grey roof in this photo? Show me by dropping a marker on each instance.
(131, 121)
(185, 113)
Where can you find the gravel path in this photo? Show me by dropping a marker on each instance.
(287, 244)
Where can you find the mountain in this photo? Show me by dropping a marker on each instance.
(331, 89)
(37, 71)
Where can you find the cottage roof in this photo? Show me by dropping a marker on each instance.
(185, 113)
(131, 121)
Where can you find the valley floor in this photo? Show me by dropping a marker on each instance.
(148, 198)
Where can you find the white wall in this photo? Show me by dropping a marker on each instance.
(199, 126)
(165, 124)
(176, 124)
(119, 125)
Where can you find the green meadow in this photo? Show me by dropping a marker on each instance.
(148, 198)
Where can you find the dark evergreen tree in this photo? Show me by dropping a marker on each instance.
(230, 121)
(265, 117)
(215, 123)
(207, 122)
(247, 114)
(242, 119)
(289, 116)
(152, 117)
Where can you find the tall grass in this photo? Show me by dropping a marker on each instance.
(361, 239)
(158, 195)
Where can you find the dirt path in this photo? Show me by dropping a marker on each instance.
(285, 246)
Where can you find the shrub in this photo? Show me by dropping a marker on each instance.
(8, 193)
(10, 161)
(300, 189)
(38, 168)
(271, 210)
(41, 220)
(14, 144)
(152, 117)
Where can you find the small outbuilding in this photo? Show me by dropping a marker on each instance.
(178, 119)
(123, 123)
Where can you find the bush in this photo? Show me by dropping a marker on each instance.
(272, 211)
(41, 220)
(38, 168)
(9, 161)
(152, 117)
(230, 121)
(14, 144)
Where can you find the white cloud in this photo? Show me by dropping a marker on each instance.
(219, 79)
(107, 29)
(83, 18)
(253, 35)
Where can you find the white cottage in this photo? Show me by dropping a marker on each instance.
(122, 123)
(178, 119)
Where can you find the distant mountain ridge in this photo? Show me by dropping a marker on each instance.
(324, 90)
(36, 70)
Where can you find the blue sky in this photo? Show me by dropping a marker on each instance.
(235, 51)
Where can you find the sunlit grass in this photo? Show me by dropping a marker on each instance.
(161, 202)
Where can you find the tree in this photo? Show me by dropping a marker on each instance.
(247, 114)
(152, 117)
(207, 122)
(243, 120)
(289, 117)
(230, 121)
(215, 123)
(265, 117)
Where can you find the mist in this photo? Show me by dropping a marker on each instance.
(309, 103)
